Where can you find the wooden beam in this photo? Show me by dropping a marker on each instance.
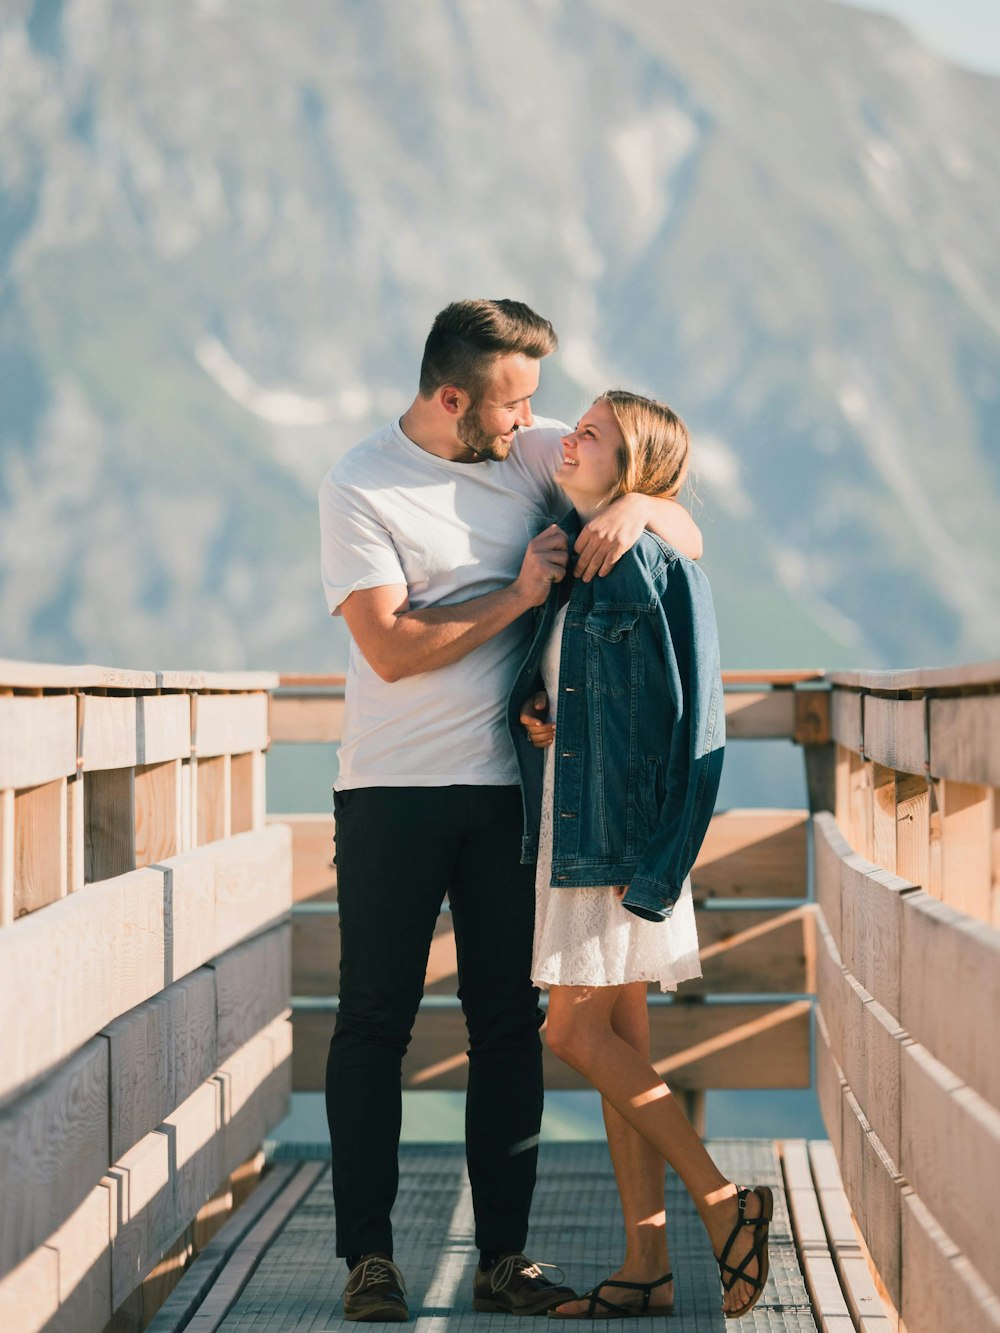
(875, 1187)
(252, 987)
(314, 876)
(950, 990)
(753, 853)
(40, 850)
(157, 798)
(49, 676)
(6, 857)
(951, 1156)
(39, 740)
(109, 823)
(896, 733)
(941, 1288)
(214, 799)
(966, 676)
(694, 1046)
(965, 848)
(846, 725)
(306, 717)
(760, 715)
(224, 724)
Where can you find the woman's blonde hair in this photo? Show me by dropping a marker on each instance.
(654, 459)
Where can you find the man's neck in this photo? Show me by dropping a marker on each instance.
(423, 429)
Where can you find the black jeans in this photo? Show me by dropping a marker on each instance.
(399, 850)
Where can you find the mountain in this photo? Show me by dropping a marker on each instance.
(225, 228)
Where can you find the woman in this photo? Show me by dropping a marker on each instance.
(616, 814)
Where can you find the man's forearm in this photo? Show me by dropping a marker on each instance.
(436, 637)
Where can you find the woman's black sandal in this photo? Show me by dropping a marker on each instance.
(758, 1250)
(612, 1310)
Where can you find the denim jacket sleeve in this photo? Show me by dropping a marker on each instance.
(694, 766)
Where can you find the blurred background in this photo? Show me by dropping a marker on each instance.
(225, 229)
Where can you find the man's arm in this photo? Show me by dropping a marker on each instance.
(615, 530)
(397, 642)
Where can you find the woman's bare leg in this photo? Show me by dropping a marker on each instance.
(580, 1031)
(639, 1172)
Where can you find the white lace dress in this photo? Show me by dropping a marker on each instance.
(585, 937)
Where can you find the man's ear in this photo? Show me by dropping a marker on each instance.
(452, 399)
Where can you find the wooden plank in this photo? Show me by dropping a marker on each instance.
(99, 952)
(829, 848)
(214, 799)
(160, 1053)
(874, 1187)
(253, 884)
(252, 987)
(6, 857)
(965, 739)
(157, 811)
(29, 1296)
(53, 1151)
(812, 717)
(108, 732)
(884, 817)
(860, 832)
(717, 1045)
(163, 728)
(109, 823)
(966, 837)
(753, 853)
(39, 740)
(896, 733)
(142, 1193)
(922, 678)
(247, 782)
(950, 990)
(309, 718)
(40, 829)
(951, 1156)
(845, 720)
(314, 876)
(941, 1288)
(229, 724)
(829, 1306)
(867, 1310)
(73, 967)
(46, 675)
(754, 714)
(76, 834)
(870, 1061)
(255, 1085)
(831, 991)
(912, 829)
(871, 907)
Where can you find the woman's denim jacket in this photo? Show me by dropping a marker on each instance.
(640, 728)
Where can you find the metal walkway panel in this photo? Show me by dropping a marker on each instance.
(298, 1282)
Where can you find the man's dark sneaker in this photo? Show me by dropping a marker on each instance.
(374, 1291)
(515, 1285)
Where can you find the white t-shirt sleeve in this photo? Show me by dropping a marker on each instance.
(356, 550)
(540, 454)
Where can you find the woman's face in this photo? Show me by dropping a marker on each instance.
(591, 454)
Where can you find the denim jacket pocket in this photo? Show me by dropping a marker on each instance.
(614, 659)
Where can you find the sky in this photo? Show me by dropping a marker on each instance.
(966, 31)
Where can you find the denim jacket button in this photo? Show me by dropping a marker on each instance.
(567, 814)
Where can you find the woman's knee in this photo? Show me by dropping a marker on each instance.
(572, 1036)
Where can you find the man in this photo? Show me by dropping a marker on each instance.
(438, 537)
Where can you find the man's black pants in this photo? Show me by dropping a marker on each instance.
(399, 850)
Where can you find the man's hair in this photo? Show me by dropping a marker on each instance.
(468, 336)
(656, 445)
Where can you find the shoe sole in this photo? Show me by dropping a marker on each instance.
(388, 1312)
(483, 1306)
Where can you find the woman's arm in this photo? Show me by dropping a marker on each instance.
(615, 530)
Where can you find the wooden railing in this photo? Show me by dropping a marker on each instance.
(745, 1024)
(908, 1061)
(145, 1049)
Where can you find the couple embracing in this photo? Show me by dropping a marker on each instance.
(534, 727)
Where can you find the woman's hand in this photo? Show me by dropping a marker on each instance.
(609, 534)
(534, 718)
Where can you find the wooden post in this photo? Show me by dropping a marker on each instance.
(6, 857)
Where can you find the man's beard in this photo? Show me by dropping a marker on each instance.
(471, 433)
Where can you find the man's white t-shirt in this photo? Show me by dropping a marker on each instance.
(392, 513)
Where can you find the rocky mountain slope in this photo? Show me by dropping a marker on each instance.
(224, 229)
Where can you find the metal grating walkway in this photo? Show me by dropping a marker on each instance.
(282, 1274)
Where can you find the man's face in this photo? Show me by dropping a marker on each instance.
(489, 426)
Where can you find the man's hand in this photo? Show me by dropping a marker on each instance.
(534, 718)
(544, 563)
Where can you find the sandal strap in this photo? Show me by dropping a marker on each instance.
(755, 1253)
(647, 1288)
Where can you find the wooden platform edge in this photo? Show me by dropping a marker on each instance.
(831, 1254)
(213, 1283)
